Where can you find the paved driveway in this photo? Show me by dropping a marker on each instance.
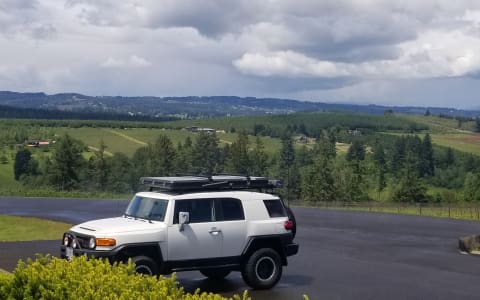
(343, 255)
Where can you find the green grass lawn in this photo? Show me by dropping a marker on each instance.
(15, 229)
(441, 125)
(6, 176)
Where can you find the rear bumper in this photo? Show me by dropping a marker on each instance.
(291, 249)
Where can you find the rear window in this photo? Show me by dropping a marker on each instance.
(275, 208)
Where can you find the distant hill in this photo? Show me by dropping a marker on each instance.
(197, 107)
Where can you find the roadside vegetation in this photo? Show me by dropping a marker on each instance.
(332, 157)
(82, 278)
(17, 229)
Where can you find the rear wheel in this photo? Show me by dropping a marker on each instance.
(263, 269)
(145, 265)
(215, 273)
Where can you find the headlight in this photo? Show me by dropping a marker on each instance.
(65, 240)
(74, 243)
(91, 243)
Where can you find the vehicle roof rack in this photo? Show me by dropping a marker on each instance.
(215, 182)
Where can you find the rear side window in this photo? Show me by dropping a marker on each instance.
(275, 208)
(228, 209)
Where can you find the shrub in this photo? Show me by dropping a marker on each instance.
(53, 278)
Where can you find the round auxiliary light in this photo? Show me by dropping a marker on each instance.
(74, 243)
(91, 243)
(65, 240)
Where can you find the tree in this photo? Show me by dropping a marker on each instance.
(206, 153)
(259, 159)
(239, 160)
(67, 163)
(318, 182)
(471, 187)
(22, 162)
(477, 124)
(99, 168)
(184, 156)
(410, 188)
(381, 167)
(121, 179)
(427, 163)
(354, 185)
(157, 159)
(288, 170)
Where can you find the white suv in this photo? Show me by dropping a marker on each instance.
(212, 224)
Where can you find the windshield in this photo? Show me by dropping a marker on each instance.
(147, 208)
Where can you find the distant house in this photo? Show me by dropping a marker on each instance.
(355, 132)
(302, 139)
(37, 143)
(199, 129)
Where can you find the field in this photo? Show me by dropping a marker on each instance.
(14, 229)
(466, 142)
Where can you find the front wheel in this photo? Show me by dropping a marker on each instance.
(216, 274)
(145, 265)
(263, 269)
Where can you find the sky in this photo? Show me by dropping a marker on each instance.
(410, 52)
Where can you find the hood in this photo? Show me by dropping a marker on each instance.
(116, 225)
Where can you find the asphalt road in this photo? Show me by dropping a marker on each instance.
(343, 255)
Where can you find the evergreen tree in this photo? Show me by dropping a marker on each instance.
(397, 158)
(121, 178)
(206, 153)
(354, 184)
(427, 164)
(288, 170)
(184, 156)
(381, 167)
(158, 159)
(22, 162)
(410, 188)
(318, 182)
(99, 168)
(239, 160)
(67, 163)
(259, 159)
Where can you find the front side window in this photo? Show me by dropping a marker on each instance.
(147, 208)
(200, 210)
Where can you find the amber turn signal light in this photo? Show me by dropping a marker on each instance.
(106, 242)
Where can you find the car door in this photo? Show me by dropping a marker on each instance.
(199, 238)
(232, 226)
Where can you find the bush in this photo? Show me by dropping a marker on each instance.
(53, 278)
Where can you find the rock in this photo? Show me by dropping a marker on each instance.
(469, 244)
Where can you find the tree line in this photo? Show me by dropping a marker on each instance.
(398, 168)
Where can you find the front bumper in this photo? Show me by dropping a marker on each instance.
(88, 253)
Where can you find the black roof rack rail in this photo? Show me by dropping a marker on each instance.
(214, 182)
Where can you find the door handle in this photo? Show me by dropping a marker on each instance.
(214, 231)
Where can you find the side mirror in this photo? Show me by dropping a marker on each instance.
(183, 218)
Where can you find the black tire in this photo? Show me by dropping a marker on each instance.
(263, 269)
(145, 265)
(216, 274)
(291, 217)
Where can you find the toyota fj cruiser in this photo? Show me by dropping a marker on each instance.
(213, 224)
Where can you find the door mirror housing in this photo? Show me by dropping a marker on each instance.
(183, 218)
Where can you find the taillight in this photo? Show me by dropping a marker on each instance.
(289, 225)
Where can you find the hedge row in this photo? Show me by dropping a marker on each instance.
(52, 278)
